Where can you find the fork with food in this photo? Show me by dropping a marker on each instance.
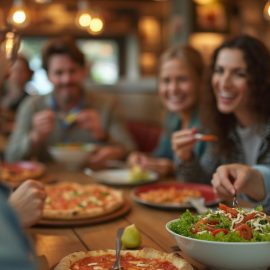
(187, 142)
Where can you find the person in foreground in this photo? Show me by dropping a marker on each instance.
(235, 109)
(15, 251)
(180, 77)
(68, 114)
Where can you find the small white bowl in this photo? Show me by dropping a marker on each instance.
(73, 156)
(225, 255)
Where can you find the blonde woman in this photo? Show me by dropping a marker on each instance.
(180, 78)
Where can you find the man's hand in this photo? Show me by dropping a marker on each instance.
(28, 200)
(43, 124)
(90, 120)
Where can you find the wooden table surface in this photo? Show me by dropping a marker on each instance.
(54, 243)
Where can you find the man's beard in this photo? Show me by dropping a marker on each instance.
(66, 97)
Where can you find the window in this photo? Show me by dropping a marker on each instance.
(102, 56)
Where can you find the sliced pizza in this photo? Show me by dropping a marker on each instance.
(143, 259)
(17, 172)
(170, 195)
(69, 201)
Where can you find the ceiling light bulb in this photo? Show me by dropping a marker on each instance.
(203, 2)
(96, 25)
(84, 20)
(266, 10)
(43, 1)
(19, 17)
(18, 14)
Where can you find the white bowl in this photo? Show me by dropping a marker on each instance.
(225, 255)
(71, 155)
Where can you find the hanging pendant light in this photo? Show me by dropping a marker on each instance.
(83, 17)
(96, 25)
(266, 10)
(18, 15)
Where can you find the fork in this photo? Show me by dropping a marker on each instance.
(235, 201)
(117, 263)
(198, 204)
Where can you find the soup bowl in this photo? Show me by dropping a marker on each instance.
(73, 155)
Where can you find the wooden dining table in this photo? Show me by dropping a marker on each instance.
(52, 243)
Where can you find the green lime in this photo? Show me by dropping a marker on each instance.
(136, 174)
(131, 237)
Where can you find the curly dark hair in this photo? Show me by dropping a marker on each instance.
(257, 58)
(64, 46)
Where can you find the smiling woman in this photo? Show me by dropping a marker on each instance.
(180, 76)
(235, 108)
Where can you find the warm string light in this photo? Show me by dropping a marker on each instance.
(203, 2)
(43, 1)
(266, 10)
(18, 15)
(87, 20)
(96, 26)
(83, 17)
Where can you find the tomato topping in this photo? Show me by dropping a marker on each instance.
(216, 231)
(244, 231)
(249, 217)
(228, 209)
(199, 226)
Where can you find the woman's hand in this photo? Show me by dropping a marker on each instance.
(28, 200)
(162, 166)
(183, 142)
(231, 179)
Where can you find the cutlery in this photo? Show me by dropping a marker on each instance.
(198, 204)
(205, 137)
(117, 263)
(88, 171)
(235, 201)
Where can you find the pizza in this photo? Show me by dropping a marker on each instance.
(69, 201)
(15, 173)
(170, 195)
(143, 259)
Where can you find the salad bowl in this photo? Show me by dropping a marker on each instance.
(219, 255)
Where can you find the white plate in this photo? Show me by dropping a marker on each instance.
(119, 177)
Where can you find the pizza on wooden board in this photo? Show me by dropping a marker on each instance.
(143, 259)
(70, 201)
(19, 171)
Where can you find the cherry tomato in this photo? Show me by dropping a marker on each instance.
(244, 231)
(216, 231)
(228, 209)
